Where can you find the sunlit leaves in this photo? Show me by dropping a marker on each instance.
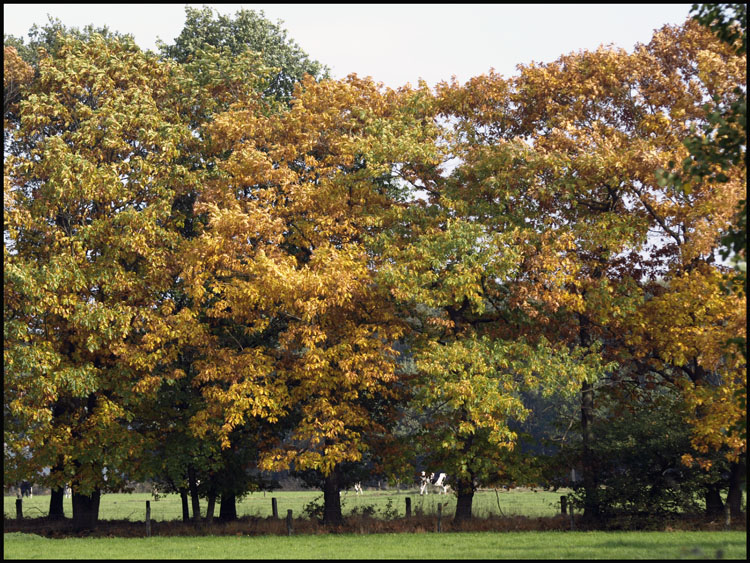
(16, 74)
(284, 261)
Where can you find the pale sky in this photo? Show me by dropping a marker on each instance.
(396, 43)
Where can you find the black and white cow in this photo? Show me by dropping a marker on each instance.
(437, 480)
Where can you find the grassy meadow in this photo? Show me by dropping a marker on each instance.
(391, 503)
(261, 540)
(458, 545)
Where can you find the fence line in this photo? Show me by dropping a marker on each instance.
(386, 504)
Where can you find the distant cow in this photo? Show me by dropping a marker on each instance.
(433, 480)
(441, 483)
(27, 490)
(358, 488)
(424, 482)
(68, 490)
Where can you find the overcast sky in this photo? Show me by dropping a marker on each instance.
(396, 43)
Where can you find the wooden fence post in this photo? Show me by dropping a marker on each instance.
(572, 521)
(440, 517)
(289, 522)
(408, 507)
(563, 505)
(727, 517)
(148, 518)
(274, 507)
(19, 509)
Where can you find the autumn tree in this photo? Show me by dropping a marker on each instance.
(553, 239)
(224, 62)
(284, 257)
(726, 134)
(464, 260)
(646, 281)
(21, 63)
(203, 87)
(89, 253)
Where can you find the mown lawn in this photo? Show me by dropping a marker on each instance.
(460, 545)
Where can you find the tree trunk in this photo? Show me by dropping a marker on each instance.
(228, 508)
(591, 505)
(332, 500)
(195, 500)
(591, 510)
(210, 507)
(56, 509)
(714, 504)
(464, 499)
(737, 477)
(185, 507)
(85, 510)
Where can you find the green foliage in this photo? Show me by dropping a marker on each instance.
(365, 510)
(233, 37)
(389, 512)
(637, 459)
(313, 510)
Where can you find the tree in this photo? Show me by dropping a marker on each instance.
(89, 251)
(728, 146)
(601, 124)
(223, 62)
(284, 258)
(248, 30)
(642, 436)
(461, 261)
(207, 85)
(541, 232)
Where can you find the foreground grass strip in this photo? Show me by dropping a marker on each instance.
(468, 545)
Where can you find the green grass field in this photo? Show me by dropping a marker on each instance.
(168, 507)
(462, 545)
(426, 544)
